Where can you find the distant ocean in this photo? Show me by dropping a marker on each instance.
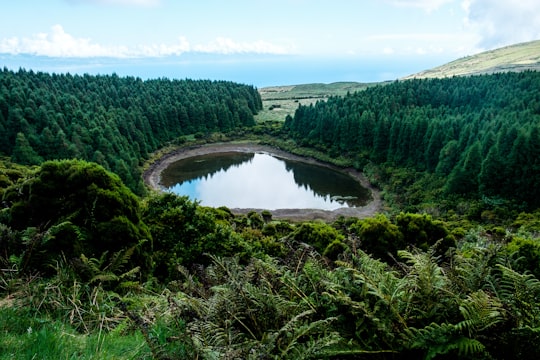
(258, 70)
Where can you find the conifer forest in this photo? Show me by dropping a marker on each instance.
(95, 264)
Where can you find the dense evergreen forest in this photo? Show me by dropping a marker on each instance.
(480, 133)
(113, 121)
(94, 266)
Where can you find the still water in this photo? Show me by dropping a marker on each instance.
(262, 181)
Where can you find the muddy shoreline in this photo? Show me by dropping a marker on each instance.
(152, 179)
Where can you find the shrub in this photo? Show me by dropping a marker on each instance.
(73, 207)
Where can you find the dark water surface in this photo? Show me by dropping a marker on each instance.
(262, 181)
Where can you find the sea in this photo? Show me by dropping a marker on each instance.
(257, 70)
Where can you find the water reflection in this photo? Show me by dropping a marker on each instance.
(240, 180)
(202, 166)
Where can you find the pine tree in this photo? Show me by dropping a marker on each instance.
(23, 153)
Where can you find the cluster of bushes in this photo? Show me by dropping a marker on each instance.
(82, 257)
(193, 281)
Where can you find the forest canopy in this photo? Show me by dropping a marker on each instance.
(111, 120)
(480, 133)
(90, 269)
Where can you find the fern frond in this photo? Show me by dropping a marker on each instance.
(103, 278)
(90, 266)
(522, 293)
(130, 273)
(214, 339)
(439, 339)
(428, 275)
(480, 312)
(120, 258)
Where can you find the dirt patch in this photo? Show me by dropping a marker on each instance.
(153, 173)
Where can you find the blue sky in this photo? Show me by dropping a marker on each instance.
(441, 30)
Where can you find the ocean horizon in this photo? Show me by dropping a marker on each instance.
(257, 70)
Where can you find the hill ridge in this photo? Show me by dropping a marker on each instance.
(517, 57)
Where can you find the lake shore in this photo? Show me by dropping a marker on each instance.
(153, 174)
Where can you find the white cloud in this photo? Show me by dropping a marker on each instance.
(426, 5)
(179, 48)
(500, 23)
(58, 43)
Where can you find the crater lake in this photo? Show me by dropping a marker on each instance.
(262, 181)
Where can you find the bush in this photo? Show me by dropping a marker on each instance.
(184, 233)
(323, 237)
(420, 230)
(378, 236)
(73, 207)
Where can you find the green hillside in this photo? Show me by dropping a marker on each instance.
(449, 267)
(518, 57)
(280, 101)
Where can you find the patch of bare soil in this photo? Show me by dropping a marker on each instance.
(153, 173)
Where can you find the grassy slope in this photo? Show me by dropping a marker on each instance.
(280, 101)
(518, 57)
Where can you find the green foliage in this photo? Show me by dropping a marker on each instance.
(528, 222)
(72, 207)
(253, 312)
(185, 233)
(10, 173)
(23, 336)
(526, 252)
(23, 153)
(423, 232)
(428, 286)
(480, 131)
(521, 293)
(114, 121)
(378, 236)
(469, 304)
(443, 339)
(323, 237)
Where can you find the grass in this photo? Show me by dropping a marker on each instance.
(23, 336)
(277, 110)
(518, 57)
(280, 101)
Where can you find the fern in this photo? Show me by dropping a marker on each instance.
(480, 312)
(310, 341)
(441, 339)
(473, 271)
(431, 296)
(372, 297)
(254, 311)
(522, 293)
(110, 270)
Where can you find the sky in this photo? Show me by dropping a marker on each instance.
(425, 32)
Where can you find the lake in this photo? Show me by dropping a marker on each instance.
(262, 181)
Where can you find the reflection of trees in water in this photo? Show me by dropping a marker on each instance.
(208, 165)
(322, 181)
(325, 181)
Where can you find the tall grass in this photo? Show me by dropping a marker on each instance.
(23, 336)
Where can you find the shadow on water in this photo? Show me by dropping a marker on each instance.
(202, 166)
(324, 181)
